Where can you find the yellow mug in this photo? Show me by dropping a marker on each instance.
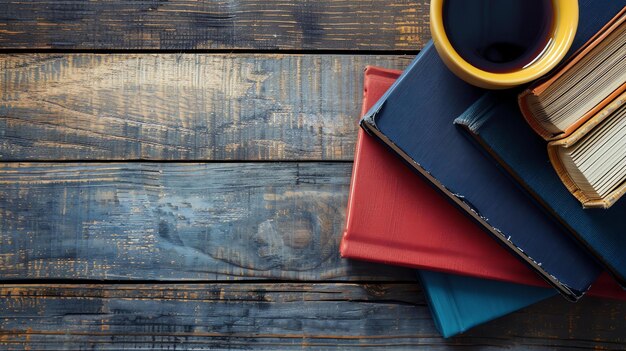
(564, 30)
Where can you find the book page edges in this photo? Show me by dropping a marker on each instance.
(542, 84)
(522, 101)
(578, 133)
(592, 113)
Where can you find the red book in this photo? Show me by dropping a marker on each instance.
(395, 217)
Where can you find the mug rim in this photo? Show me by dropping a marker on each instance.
(566, 24)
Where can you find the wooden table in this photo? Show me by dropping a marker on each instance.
(174, 176)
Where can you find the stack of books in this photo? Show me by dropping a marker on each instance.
(461, 184)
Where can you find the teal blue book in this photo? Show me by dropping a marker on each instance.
(459, 303)
(497, 125)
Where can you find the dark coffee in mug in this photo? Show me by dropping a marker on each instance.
(499, 36)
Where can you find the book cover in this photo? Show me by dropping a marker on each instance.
(578, 108)
(386, 237)
(394, 217)
(459, 303)
(414, 119)
(500, 129)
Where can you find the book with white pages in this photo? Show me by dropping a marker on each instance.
(580, 110)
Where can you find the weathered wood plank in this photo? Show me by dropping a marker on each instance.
(171, 221)
(210, 24)
(181, 107)
(281, 316)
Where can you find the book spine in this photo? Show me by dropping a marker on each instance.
(561, 171)
(346, 234)
(442, 304)
(524, 105)
(381, 252)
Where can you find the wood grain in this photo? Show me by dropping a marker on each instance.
(281, 316)
(181, 107)
(211, 24)
(177, 221)
(235, 229)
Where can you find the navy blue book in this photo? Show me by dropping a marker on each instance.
(459, 303)
(498, 125)
(415, 120)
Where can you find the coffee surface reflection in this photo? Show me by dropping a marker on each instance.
(499, 35)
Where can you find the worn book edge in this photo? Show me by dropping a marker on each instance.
(368, 123)
(471, 121)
